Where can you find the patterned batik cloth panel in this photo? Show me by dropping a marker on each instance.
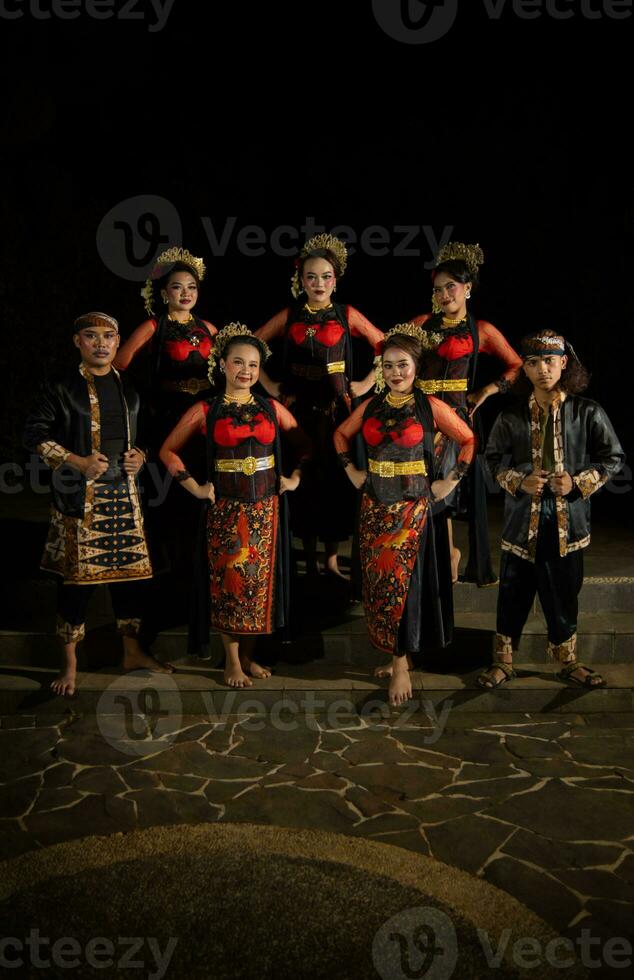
(241, 545)
(389, 540)
(561, 504)
(107, 545)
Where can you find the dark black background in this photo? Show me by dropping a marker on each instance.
(512, 132)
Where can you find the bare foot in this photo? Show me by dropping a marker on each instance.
(456, 555)
(251, 667)
(235, 677)
(66, 682)
(332, 566)
(136, 659)
(386, 670)
(400, 689)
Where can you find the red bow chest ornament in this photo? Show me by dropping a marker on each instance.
(228, 433)
(455, 347)
(328, 333)
(408, 433)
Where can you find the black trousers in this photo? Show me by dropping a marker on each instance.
(128, 602)
(555, 579)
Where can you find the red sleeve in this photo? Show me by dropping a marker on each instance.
(452, 425)
(194, 420)
(348, 429)
(135, 342)
(420, 319)
(274, 327)
(210, 327)
(360, 326)
(493, 342)
(298, 440)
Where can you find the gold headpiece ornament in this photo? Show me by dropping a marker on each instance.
(223, 337)
(162, 265)
(471, 255)
(326, 242)
(429, 340)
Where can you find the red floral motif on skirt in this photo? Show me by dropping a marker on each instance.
(389, 539)
(241, 545)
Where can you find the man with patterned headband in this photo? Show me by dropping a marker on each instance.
(84, 428)
(550, 453)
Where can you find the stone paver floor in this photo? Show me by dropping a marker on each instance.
(541, 807)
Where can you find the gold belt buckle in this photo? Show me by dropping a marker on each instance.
(387, 468)
(249, 465)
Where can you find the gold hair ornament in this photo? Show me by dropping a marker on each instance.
(166, 259)
(471, 255)
(326, 242)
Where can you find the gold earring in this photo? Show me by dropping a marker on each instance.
(435, 305)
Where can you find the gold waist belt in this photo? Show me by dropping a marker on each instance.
(448, 384)
(248, 465)
(191, 385)
(315, 372)
(388, 468)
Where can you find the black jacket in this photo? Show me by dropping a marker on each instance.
(592, 455)
(62, 418)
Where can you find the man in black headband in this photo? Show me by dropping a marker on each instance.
(84, 428)
(550, 453)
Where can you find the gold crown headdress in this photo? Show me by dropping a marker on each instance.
(223, 337)
(162, 265)
(471, 255)
(326, 242)
(429, 340)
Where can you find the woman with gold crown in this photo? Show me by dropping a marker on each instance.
(317, 377)
(404, 562)
(454, 340)
(245, 591)
(179, 341)
(176, 345)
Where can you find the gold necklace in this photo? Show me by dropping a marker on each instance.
(397, 401)
(448, 322)
(244, 398)
(307, 307)
(182, 322)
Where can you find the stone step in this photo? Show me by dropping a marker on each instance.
(29, 604)
(603, 639)
(312, 689)
(600, 594)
